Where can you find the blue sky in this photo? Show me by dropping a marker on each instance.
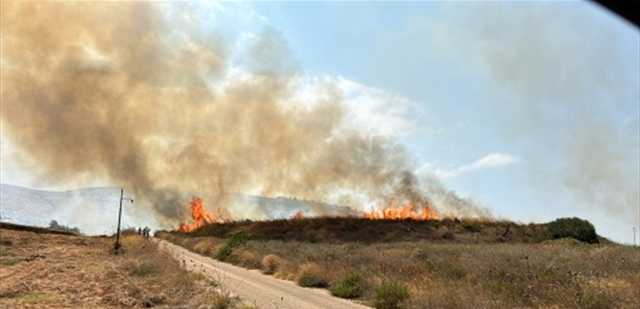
(529, 108)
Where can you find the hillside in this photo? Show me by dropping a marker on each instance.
(51, 270)
(94, 210)
(352, 229)
(433, 264)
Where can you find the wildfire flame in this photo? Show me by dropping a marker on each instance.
(299, 215)
(392, 211)
(200, 216)
(408, 211)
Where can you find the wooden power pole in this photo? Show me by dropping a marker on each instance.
(117, 245)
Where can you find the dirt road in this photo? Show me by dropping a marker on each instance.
(253, 287)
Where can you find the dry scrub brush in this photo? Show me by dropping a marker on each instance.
(271, 263)
(311, 275)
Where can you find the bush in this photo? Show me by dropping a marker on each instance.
(311, 275)
(348, 287)
(472, 226)
(203, 247)
(246, 259)
(53, 225)
(218, 301)
(271, 263)
(575, 228)
(233, 242)
(391, 295)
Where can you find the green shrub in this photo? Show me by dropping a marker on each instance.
(233, 242)
(53, 225)
(391, 295)
(348, 287)
(472, 226)
(312, 276)
(575, 228)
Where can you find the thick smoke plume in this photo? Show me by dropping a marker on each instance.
(115, 91)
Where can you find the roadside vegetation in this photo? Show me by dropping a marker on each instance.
(42, 270)
(439, 264)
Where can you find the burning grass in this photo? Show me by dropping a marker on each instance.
(439, 264)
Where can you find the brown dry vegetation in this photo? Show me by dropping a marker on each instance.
(474, 266)
(352, 229)
(41, 270)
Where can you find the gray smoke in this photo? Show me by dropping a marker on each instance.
(116, 91)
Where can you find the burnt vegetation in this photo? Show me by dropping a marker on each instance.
(352, 229)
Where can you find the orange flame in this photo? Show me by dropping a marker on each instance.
(408, 211)
(200, 216)
(299, 215)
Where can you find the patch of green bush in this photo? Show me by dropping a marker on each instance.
(575, 228)
(53, 225)
(471, 226)
(348, 287)
(391, 295)
(236, 240)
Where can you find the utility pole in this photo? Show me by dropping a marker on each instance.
(117, 245)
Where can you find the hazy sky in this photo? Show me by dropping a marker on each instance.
(531, 109)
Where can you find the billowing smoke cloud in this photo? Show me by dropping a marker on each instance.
(112, 91)
(563, 90)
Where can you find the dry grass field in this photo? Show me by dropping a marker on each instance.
(44, 270)
(450, 264)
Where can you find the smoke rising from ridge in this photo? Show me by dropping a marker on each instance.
(113, 91)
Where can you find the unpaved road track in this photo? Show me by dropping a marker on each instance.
(254, 287)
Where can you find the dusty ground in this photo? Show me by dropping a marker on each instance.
(62, 271)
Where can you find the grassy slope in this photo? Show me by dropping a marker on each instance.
(341, 229)
(447, 264)
(51, 270)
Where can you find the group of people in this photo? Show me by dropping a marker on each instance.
(145, 232)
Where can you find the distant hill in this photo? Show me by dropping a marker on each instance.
(260, 207)
(94, 210)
